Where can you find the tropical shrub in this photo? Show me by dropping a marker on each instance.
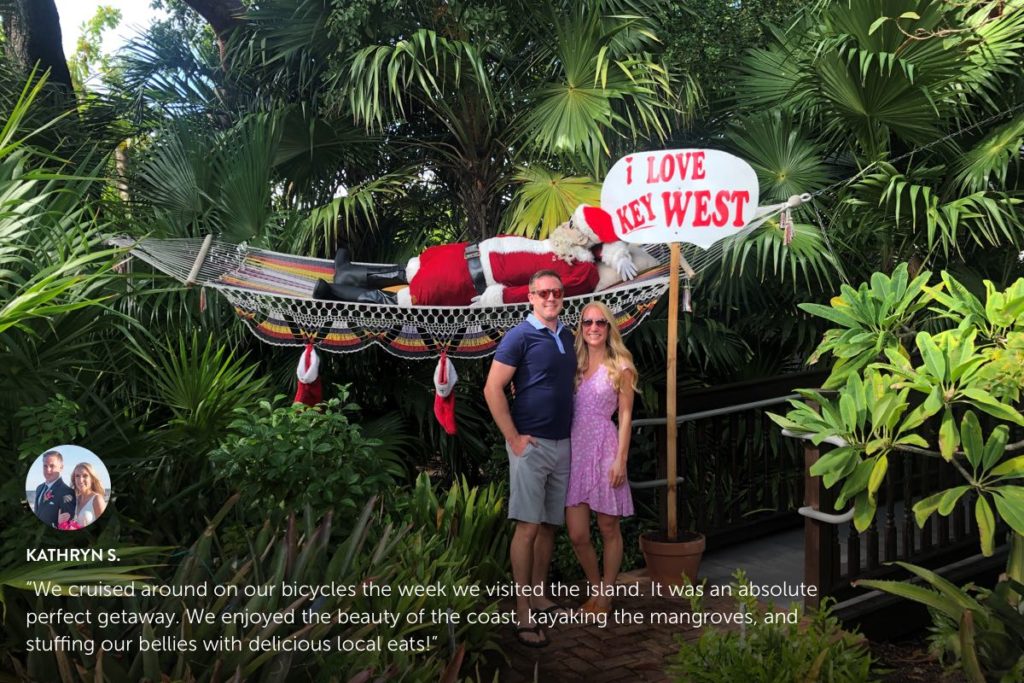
(904, 392)
(976, 630)
(952, 375)
(814, 649)
(284, 457)
(202, 383)
(470, 520)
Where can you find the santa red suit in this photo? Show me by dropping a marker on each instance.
(498, 270)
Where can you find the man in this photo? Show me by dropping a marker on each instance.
(55, 500)
(537, 356)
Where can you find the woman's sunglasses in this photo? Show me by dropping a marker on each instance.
(600, 322)
(548, 293)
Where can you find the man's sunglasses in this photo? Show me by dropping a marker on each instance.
(548, 293)
(600, 322)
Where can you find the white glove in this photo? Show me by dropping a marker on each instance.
(492, 296)
(627, 271)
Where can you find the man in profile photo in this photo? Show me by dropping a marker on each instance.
(54, 498)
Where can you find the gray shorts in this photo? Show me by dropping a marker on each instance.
(538, 482)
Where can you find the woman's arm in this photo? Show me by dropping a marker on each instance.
(98, 505)
(617, 474)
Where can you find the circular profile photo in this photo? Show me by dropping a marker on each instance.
(68, 487)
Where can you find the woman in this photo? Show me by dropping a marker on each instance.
(88, 494)
(605, 382)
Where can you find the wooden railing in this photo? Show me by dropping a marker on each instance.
(836, 554)
(740, 478)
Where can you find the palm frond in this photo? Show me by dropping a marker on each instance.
(334, 222)
(986, 163)
(544, 199)
(787, 161)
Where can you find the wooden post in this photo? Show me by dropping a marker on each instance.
(671, 427)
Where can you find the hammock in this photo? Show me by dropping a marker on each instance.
(271, 293)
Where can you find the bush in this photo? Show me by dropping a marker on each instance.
(470, 520)
(285, 457)
(815, 649)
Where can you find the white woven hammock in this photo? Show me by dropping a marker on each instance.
(271, 293)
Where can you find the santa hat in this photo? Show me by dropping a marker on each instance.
(309, 391)
(445, 378)
(595, 223)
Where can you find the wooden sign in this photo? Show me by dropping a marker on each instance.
(679, 195)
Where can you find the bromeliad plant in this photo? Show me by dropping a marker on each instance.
(891, 379)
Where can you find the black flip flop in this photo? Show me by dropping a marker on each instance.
(520, 630)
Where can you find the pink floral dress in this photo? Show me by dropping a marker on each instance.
(595, 442)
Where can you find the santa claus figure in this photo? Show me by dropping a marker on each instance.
(492, 272)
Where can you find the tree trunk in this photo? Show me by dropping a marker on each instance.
(223, 16)
(32, 31)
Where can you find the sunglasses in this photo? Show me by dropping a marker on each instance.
(548, 293)
(600, 322)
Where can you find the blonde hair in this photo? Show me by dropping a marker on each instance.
(97, 485)
(617, 358)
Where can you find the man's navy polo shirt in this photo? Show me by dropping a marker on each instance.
(545, 364)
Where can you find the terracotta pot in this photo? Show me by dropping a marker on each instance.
(667, 561)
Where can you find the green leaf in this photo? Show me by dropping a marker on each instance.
(949, 499)
(910, 15)
(985, 401)
(929, 407)
(912, 440)
(876, 24)
(1011, 469)
(995, 447)
(970, 433)
(916, 593)
(831, 314)
(934, 361)
(986, 525)
(848, 411)
(882, 409)
(863, 511)
(878, 471)
(945, 588)
(949, 438)
(832, 461)
(924, 508)
(855, 483)
(1009, 502)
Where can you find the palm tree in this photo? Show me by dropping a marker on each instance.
(546, 89)
(919, 101)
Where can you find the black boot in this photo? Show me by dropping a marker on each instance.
(358, 275)
(334, 292)
(386, 278)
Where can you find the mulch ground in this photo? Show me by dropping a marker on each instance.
(617, 653)
(910, 662)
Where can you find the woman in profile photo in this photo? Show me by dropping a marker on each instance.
(88, 494)
(605, 383)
